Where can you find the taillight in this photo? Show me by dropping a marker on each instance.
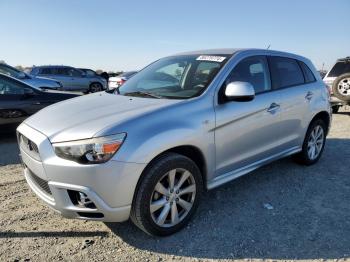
(121, 81)
(328, 85)
(329, 88)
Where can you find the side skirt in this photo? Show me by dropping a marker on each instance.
(224, 178)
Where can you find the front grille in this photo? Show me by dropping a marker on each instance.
(29, 147)
(41, 183)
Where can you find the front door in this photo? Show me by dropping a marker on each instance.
(248, 132)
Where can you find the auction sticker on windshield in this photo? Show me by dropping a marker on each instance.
(212, 58)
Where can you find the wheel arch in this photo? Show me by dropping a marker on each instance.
(95, 82)
(190, 151)
(325, 116)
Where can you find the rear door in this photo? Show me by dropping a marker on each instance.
(288, 80)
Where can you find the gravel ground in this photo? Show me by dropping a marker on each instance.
(282, 211)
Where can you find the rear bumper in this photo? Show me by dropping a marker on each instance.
(335, 101)
(110, 186)
(112, 85)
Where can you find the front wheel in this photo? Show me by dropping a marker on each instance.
(95, 87)
(314, 143)
(167, 195)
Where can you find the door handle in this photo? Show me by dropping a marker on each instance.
(309, 95)
(37, 103)
(273, 107)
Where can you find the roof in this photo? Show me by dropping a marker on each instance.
(221, 51)
(232, 51)
(59, 66)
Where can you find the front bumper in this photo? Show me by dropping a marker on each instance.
(110, 186)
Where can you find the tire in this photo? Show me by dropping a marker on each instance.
(305, 157)
(341, 87)
(335, 109)
(146, 192)
(95, 87)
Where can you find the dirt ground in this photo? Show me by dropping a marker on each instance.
(282, 211)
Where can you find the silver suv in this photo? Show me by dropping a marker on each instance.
(72, 79)
(185, 124)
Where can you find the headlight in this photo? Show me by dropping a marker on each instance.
(90, 151)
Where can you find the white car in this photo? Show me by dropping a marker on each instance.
(114, 82)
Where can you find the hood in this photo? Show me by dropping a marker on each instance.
(84, 116)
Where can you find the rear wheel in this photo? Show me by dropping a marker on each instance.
(167, 195)
(341, 87)
(314, 142)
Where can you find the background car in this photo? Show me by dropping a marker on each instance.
(117, 81)
(72, 79)
(88, 72)
(338, 81)
(40, 82)
(19, 100)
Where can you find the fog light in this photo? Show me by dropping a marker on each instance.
(81, 199)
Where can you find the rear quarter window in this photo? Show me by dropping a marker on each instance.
(309, 76)
(285, 72)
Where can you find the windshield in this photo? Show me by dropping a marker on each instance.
(179, 77)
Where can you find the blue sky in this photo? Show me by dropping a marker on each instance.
(126, 35)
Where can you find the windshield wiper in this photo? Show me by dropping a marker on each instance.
(143, 94)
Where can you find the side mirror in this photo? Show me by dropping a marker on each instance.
(28, 92)
(239, 91)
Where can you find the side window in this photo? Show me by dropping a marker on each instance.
(253, 70)
(8, 87)
(74, 72)
(285, 72)
(63, 71)
(309, 76)
(45, 71)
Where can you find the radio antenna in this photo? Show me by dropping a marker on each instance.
(268, 47)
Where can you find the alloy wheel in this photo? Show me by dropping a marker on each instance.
(315, 142)
(173, 197)
(95, 87)
(344, 87)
